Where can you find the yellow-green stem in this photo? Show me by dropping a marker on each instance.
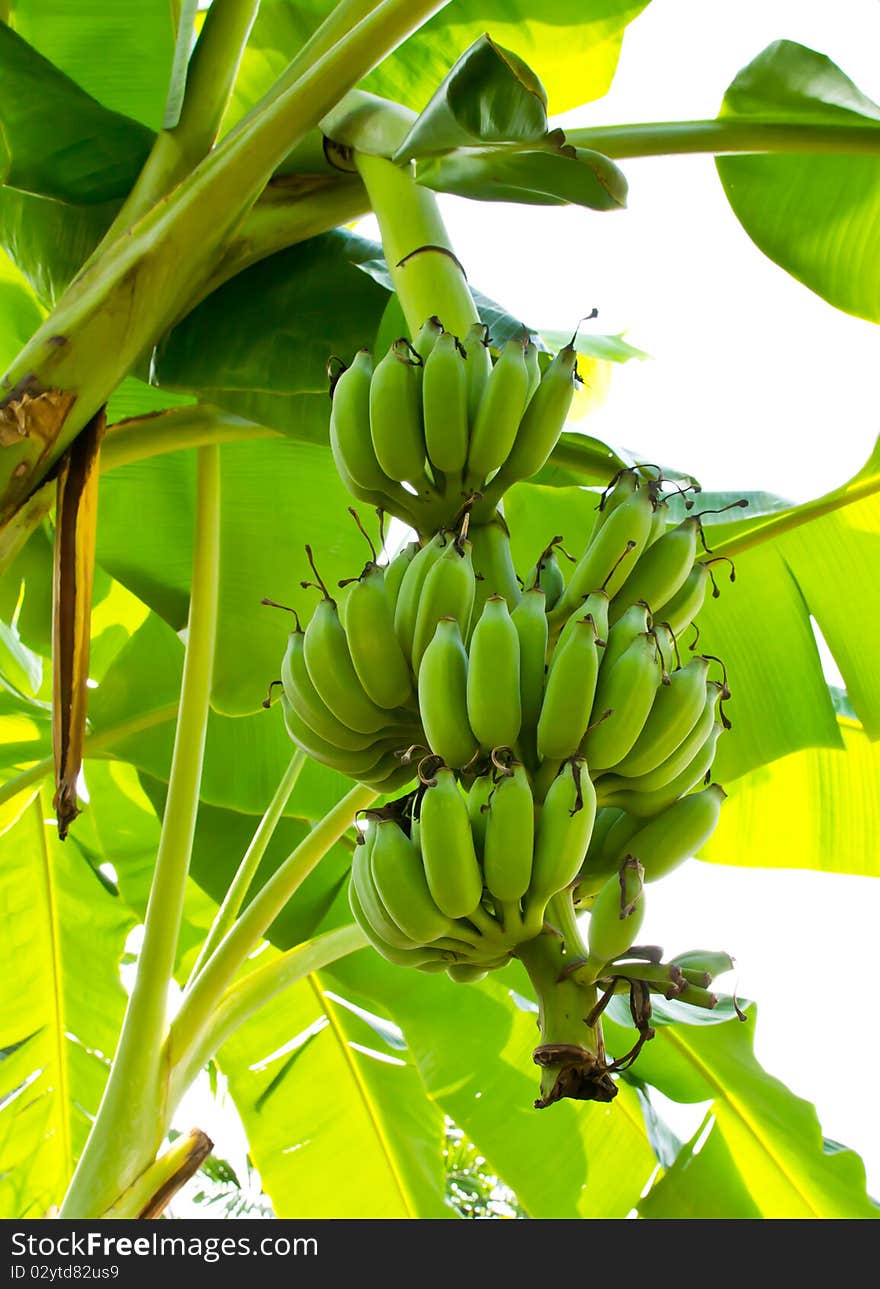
(240, 884)
(131, 1120)
(427, 276)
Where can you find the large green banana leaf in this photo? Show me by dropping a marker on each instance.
(64, 932)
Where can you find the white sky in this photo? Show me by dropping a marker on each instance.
(754, 382)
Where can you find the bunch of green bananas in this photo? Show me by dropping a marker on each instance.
(561, 744)
(451, 880)
(436, 424)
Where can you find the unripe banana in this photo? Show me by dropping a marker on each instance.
(423, 958)
(617, 915)
(369, 898)
(466, 973)
(498, 415)
(478, 365)
(396, 414)
(375, 651)
(399, 877)
(450, 861)
(611, 554)
(603, 858)
(543, 420)
(661, 571)
(530, 622)
(680, 611)
(394, 572)
(675, 711)
(569, 693)
(708, 962)
(445, 405)
(366, 765)
(478, 797)
(407, 607)
(677, 833)
(443, 696)
(595, 606)
(561, 839)
(310, 707)
(547, 575)
(646, 804)
(447, 592)
(679, 760)
(493, 695)
(428, 336)
(510, 834)
(493, 565)
(658, 523)
(533, 367)
(606, 818)
(627, 691)
(629, 626)
(350, 440)
(331, 670)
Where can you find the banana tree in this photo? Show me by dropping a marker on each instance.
(178, 268)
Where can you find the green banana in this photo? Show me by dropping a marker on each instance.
(399, 877)
(677, 833)
(423, 958)
(428, 336)
(498, 414)
(679, 759)
(447, 592)
(445, 405)
(603, 860)
(533, 367)
(366, 765)
(615, 546)
(595, 606)
(569, 693)
(658, 523)
(350, 440)
(629, 626)
(626, 691)
(368, 896)
(644, 804)
(375, 651)
(509, 838)
(530, 622)
(661, 571)
(443, 696)
(617, 915)
(708, 963)
(547, 575)
(543, 420)
(679, 611)
(332, 672)
(675, 711)
(493, 565)
(311, 708)
(396, 414)
(480, 791)
(478, 365)
(561, 838)
(450, 861)
(494, 704)
(466, 973)
(407, 607)
(395, 571)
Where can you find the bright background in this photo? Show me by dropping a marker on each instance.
(753, 382)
